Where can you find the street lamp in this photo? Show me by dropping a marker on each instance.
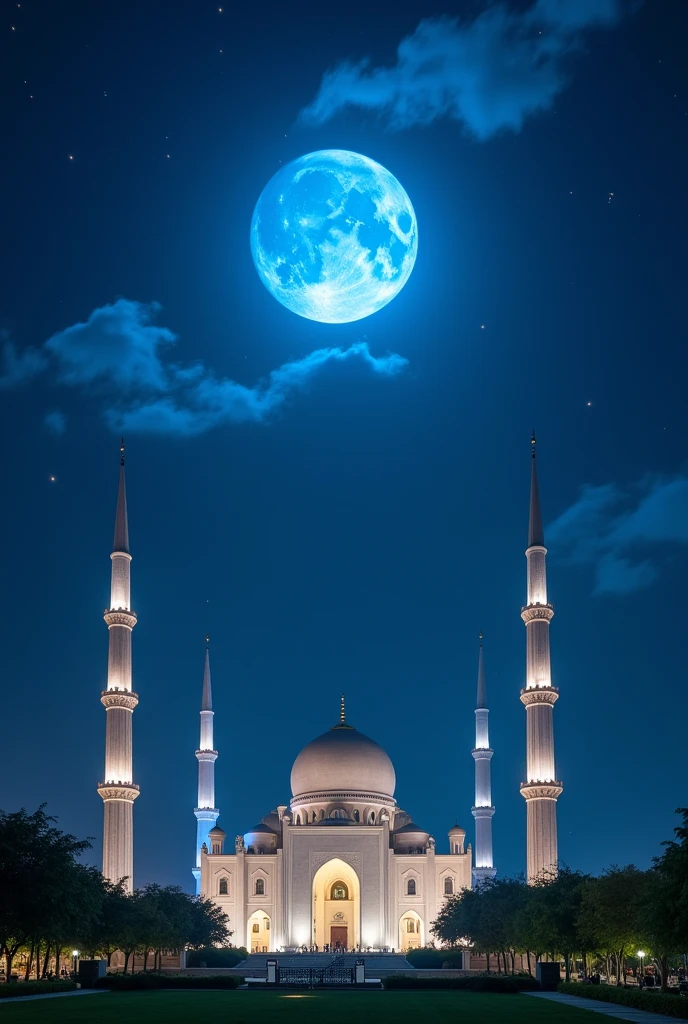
(75, 957)
(641, 957)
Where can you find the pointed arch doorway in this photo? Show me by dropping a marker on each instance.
(336, 906)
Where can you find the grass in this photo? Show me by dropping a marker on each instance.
(305, 1007)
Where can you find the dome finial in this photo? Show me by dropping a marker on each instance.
(342, 710)
(121, 452)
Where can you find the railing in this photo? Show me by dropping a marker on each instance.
(334, 973)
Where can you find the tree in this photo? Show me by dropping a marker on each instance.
(37, 865)
(610, 912)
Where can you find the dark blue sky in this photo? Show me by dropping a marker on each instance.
(358, 537)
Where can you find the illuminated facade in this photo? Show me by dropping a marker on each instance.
(541, 790)
(482, 754)
(342, 866)
(118, 790)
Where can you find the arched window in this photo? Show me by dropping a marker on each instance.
(410, 925)
(260, 887)
(314, 815)
(322, 814)
(411, 887)
(357, 816)
(338, 812)
(298, 819)
(448, 886)
(339, 891)
(456, 847)
(224, 887)
(371, 818)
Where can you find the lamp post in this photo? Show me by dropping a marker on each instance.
(641, 957)
(75, 957)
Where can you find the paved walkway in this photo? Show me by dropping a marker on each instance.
(614, 1010)
(57, 995)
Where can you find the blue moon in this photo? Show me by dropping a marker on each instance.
(334, 236)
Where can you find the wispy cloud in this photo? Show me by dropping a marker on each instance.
(56, 422)
(488, 74)
(624, 535)
(123, 356)
(18, 367)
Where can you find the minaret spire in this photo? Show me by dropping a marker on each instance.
(118, 790)
(541, 790)
(206, 813)
(342, 711)
(482, 755)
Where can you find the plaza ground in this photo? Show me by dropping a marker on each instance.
(305, 1007)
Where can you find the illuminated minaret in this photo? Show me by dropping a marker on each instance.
(541, 790)
(483, 810)
(206, 812)
(118, 790)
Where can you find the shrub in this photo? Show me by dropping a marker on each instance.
(147, 980)
(435, 959)
(34, 988)
(211, 957)
(466, 983)
(654, 1002)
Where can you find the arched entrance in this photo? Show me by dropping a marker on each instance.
(410, 931)
(258, 932)
(336, 906)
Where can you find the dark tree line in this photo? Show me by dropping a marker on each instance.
(50, 902)
(572, 915)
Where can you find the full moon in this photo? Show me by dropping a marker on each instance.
(334, 236)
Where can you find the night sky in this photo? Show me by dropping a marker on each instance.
(358, 531)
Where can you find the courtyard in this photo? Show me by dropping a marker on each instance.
(243, 1007)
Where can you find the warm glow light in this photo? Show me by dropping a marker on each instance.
(641, 953)
(75, 952)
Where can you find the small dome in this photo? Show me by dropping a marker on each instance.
(218, 832)
(342, 760)
(410, 829)
(261, 829)
(457, 831)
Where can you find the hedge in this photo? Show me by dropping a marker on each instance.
(209, 956)
(34, 988)
(653, 1002)
(147, 980)
(468, 983)
(435, 959)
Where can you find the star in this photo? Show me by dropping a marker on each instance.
(52, 479)
(588, 404)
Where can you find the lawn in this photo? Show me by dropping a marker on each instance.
(331, 1006)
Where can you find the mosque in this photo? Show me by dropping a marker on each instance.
(342, 866)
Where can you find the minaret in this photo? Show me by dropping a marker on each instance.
(541, 790)
(118, 790)
(206, 812)
(483, 810)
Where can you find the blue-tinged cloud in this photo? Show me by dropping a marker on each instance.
(624, 535)
(56, 422)
(18, 367)
(123, 357)
(489, 74)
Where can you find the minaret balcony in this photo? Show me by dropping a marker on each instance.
(534, 612)
(117, 790)
(120, 617)
(539, 695)
(482, 812)
(482, 753)
(541, 790)
(117, 698)
(206, 755)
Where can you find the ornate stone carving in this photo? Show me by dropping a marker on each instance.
(126, 791)
(117, 698)
(120, 618)
(239, 844)
(316, 860)
(541, 790)
(539, 695)
(537, 611)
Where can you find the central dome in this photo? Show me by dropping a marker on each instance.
(342, 760)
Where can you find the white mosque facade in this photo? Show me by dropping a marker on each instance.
(342, 866)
